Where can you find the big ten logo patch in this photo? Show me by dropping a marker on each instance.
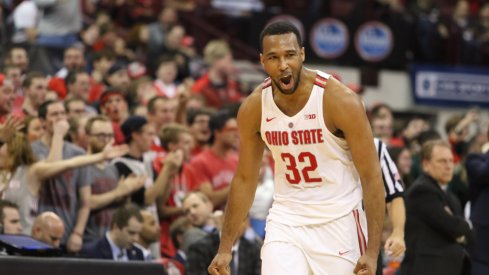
(310, 116)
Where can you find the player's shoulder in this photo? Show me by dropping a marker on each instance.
(335, 88)
(338, 97)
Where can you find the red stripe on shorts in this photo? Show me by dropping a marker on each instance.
(361, 237)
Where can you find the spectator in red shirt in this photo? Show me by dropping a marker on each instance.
(218, 85)
(175, 137)
(114, 105)
(198, 121)
(217, 164)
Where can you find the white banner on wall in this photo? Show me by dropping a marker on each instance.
(450, 85)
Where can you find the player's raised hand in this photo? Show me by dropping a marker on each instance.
(220, 264)
(366, 265)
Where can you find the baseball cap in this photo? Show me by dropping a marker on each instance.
(131, 125)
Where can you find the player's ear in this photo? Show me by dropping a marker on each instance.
(262, 61)
(303, 54)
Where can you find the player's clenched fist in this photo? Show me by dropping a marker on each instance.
(220, 264)
(366, 265)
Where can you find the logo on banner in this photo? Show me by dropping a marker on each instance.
(426, 84)
(446, 85)
(374, 41)
(292, 20)
(329, 38)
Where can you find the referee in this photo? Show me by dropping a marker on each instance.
(394, 191)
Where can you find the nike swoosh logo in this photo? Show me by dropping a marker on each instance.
(343, 253)
(270, 119)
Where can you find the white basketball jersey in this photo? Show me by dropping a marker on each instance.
(315, 179)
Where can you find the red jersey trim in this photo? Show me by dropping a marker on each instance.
(266, 83)
(320, 81)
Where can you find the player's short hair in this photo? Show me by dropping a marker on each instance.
(280, 27)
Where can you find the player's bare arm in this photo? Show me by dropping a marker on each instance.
(245, 181)
(345, 116)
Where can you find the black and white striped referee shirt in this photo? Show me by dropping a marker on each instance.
(393, 185)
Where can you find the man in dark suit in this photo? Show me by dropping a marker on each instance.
(435, 228)
(246, 255)
(117, 244)
(478, 173)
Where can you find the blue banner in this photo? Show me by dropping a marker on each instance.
(452, 86)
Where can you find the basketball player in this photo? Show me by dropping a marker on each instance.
(325, 164)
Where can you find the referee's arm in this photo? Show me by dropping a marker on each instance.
(394, 192)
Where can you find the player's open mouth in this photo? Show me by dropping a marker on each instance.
(287, 82)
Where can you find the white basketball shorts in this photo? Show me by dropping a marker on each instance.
(331, 248)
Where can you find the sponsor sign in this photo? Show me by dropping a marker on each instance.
(373, 41)
(329, 38)
(437, 85)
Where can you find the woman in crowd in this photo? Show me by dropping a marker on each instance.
(27, 174)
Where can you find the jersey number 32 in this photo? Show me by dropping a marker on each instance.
(294, 175)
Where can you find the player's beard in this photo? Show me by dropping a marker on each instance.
(296, 78)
